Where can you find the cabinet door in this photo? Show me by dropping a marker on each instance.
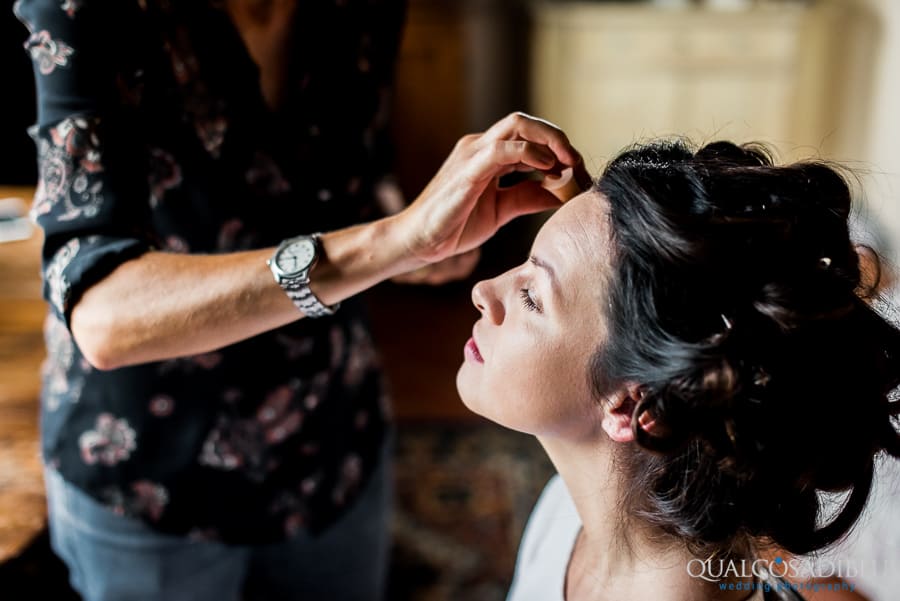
(613, 75)
(738, 105)
(603, 114)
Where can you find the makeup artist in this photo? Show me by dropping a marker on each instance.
(213, 423)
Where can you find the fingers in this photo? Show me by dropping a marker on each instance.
(451, 269)
(504, 156)
(455, 268)
(525, 127)
(461, 206)
(568, 184)
(413, 277)
(524, 199)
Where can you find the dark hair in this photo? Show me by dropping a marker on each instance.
(735, 301)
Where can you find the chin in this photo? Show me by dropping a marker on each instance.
(489, 408)
(463, 389)
(467, 389)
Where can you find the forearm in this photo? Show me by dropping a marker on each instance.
(163, 305)
(357, 258)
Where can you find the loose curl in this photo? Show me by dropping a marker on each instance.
(735, 300)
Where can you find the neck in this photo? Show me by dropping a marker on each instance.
(615, 557)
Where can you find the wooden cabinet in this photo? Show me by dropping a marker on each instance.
(460, 69)
(429, 109)
(612, 74)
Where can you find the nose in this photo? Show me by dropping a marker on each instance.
(485, 299)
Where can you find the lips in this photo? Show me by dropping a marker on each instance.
(471, 351)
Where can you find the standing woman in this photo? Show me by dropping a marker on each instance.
(212, 413)
(692, 345)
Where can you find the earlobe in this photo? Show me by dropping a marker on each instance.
(618, 412)
(618, 427)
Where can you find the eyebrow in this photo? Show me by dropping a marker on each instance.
(538, 262)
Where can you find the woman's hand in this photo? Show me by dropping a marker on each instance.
(462, 207)
(451, 269)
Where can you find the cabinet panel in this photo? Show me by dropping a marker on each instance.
(769, 45)
(614, 73)
(735, 105)
(611, 48)
(602, 115)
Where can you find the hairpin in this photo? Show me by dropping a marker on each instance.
(730, 430)
(761, 378)
(728, 324)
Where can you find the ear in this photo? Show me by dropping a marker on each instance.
(618, 412)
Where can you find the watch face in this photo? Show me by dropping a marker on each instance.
(296, 256)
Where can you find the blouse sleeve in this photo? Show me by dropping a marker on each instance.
(91, 199)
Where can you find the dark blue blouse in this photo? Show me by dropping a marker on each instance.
(153, 133)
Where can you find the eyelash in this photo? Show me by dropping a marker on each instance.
(527, 301)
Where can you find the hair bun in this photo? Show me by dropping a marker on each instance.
(750, 155)
(787, 397)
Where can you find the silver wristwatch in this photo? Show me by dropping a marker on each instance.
(293, 260)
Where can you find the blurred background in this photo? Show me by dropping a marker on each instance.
(809, 78)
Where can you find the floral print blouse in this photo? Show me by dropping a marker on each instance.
(153, 133)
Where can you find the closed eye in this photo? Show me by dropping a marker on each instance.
(527, 301)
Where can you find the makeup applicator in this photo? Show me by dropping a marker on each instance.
(570, 182)
(565, 185)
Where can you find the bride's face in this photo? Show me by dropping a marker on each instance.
(526, 366)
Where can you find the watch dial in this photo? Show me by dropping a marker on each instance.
(296, 256)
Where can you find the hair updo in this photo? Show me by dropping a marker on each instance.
(735, 300)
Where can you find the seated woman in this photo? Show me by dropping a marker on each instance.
(690, 342)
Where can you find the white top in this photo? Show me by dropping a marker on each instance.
(546, 546)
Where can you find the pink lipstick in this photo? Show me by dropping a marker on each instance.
(471, 351)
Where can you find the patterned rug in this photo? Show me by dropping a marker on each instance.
(464, 494)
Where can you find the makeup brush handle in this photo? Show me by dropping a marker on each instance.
(571, 182)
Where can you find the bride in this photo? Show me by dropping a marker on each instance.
(691, 343)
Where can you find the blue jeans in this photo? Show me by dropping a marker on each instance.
(116, 558)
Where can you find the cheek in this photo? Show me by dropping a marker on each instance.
(530, 388)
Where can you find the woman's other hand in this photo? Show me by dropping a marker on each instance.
(451, 269)
(462, 207)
